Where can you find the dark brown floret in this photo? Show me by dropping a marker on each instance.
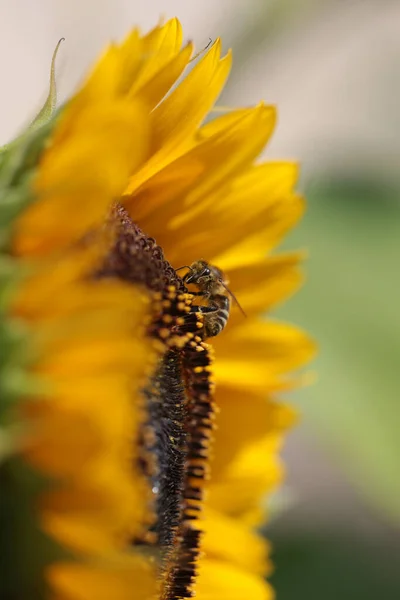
(178, 399)
(136, 257)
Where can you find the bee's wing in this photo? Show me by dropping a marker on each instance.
(236, 301)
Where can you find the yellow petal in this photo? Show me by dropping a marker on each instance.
(104, 580)
(256, 470)
(260, 285)
(259, 203)
(126, 68)
(61, 443)
(220, 580)
(154, 89)
(262, 234)
(230, 540)
(239, 137)
(79, 170)
(177, 117)
(165, 186)
(244, 417)
(81, 535)
(186, 107)
(255, 354)
(113, 74)
(159, 48)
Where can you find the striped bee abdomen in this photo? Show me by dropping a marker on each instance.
(216, 315)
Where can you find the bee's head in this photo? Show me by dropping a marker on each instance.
(207, 277)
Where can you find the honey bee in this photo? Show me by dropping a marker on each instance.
(212, 286)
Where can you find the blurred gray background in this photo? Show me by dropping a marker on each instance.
(332, 67)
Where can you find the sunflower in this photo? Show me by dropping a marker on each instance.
(136, 454)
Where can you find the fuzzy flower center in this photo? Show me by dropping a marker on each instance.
(178, 402)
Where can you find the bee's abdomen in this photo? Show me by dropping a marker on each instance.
(214, 323)
(217, 318)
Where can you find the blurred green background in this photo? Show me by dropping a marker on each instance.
(339, 538)
(332, 68)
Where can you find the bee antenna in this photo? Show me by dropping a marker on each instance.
(184, 267)
(232, 295)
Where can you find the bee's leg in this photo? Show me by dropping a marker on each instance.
(190, 318)
(203, 309)
(192, 321)
(212, 322)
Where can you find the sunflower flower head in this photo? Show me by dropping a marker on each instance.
(140, 420)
